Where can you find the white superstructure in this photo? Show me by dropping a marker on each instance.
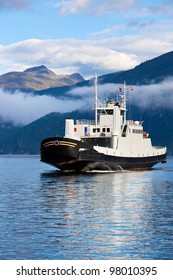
(111, 134)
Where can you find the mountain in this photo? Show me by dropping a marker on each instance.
(149, 72)
(26, 140)
(37, 78)
(157, 121)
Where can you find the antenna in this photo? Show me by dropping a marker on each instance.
(96, 98)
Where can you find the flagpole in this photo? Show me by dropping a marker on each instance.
(125, 93)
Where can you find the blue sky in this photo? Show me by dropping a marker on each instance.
(84, 36)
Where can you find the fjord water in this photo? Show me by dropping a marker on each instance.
(47, 215)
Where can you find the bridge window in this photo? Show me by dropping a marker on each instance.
(96, 130)
(138, 131)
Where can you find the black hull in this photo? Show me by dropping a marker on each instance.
(72, 155)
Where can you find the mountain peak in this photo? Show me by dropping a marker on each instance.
(77, 76)
(37, 78)
(41, 68)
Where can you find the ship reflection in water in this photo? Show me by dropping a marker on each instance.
(50, 215)
(124, 215)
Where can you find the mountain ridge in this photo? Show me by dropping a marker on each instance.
(149, 72)
(157, 121)
(36, 78)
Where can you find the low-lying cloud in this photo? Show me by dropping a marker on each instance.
(21, 108)
(153, 96)
(144, 96)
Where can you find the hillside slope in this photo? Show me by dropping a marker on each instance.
(157, 121)
(26, 140)
(37, 78)
(150, 72)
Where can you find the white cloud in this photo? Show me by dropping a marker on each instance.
(22, 109)
(154, 95)
(100, 55)
(127, 8)
(66, 54)
(72, 6)
(112, 6)
(145, 96)
(145, 45)
(103, 32)
(150, 96)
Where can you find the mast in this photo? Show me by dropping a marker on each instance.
(96, 98)
(124, 101)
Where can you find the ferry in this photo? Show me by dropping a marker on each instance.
(108, 143)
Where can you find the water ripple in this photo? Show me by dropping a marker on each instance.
(48, 215)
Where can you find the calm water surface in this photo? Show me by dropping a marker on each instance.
(46, 215)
